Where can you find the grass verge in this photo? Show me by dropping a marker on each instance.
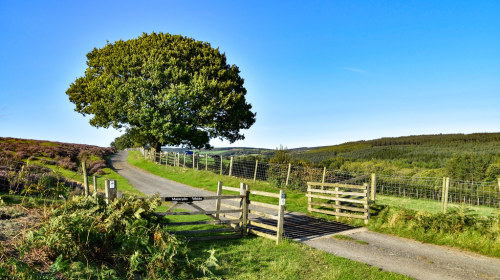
(260, 258)
(123, 184)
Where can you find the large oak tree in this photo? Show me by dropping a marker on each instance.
(169, 89)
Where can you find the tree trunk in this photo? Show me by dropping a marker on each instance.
(157, 147)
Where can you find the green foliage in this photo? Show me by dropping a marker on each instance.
(86, 238)
(468, 167)
(169, 89)
(459, 227)
(130, 139)
(459, 156)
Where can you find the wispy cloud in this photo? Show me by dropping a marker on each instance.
(355, 70)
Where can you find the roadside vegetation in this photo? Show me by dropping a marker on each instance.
(459, 227)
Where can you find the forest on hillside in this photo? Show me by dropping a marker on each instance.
(460, 156)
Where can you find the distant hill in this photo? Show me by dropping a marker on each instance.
(426, 148)
(228, 151)
(479, 151)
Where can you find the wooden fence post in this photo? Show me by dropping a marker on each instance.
(231, 167)
(366, 205)
(184, 160)
(337, 203)
(373, 187)
(95, 184)
(217, 202)
(206, 162)
(194, 158)
(220, 164)
(323, 178)
(281, 217)
(498, 184)
(447, 187)
(288, 174)
(442, 194)
(111, 190)
(257, 166)
(85, 179)
(244, 190)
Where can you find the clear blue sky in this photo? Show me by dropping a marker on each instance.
(317, 72)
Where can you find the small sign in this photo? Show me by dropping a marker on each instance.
(283, 195)
(184, 198)
(282, 201)
(112, 184)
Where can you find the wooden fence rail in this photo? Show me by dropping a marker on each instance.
(339, 199)
(254, 208)
(237, 225)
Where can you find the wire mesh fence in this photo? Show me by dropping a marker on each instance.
(419, 193)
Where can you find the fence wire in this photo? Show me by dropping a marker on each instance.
(420, 193)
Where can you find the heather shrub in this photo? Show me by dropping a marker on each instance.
(67, 164)
(97, 166)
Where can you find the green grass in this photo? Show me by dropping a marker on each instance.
(260, 258)
(123, 184)
(28, 201)
(431, 206)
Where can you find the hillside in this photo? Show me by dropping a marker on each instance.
(444, 154)
(64, 155)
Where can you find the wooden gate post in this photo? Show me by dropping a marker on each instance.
(257, 166)
(231, 167)
(85, 179)
(206, 162)
(110, 191)
(373, 186)
(244, 190)
(184, 160)
(281, 217)
(194, 159)
(366, 204)
(288, 173)
(217, 202)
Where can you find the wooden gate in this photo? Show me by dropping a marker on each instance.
(256, 215)
(341, 200)
(235, 226)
